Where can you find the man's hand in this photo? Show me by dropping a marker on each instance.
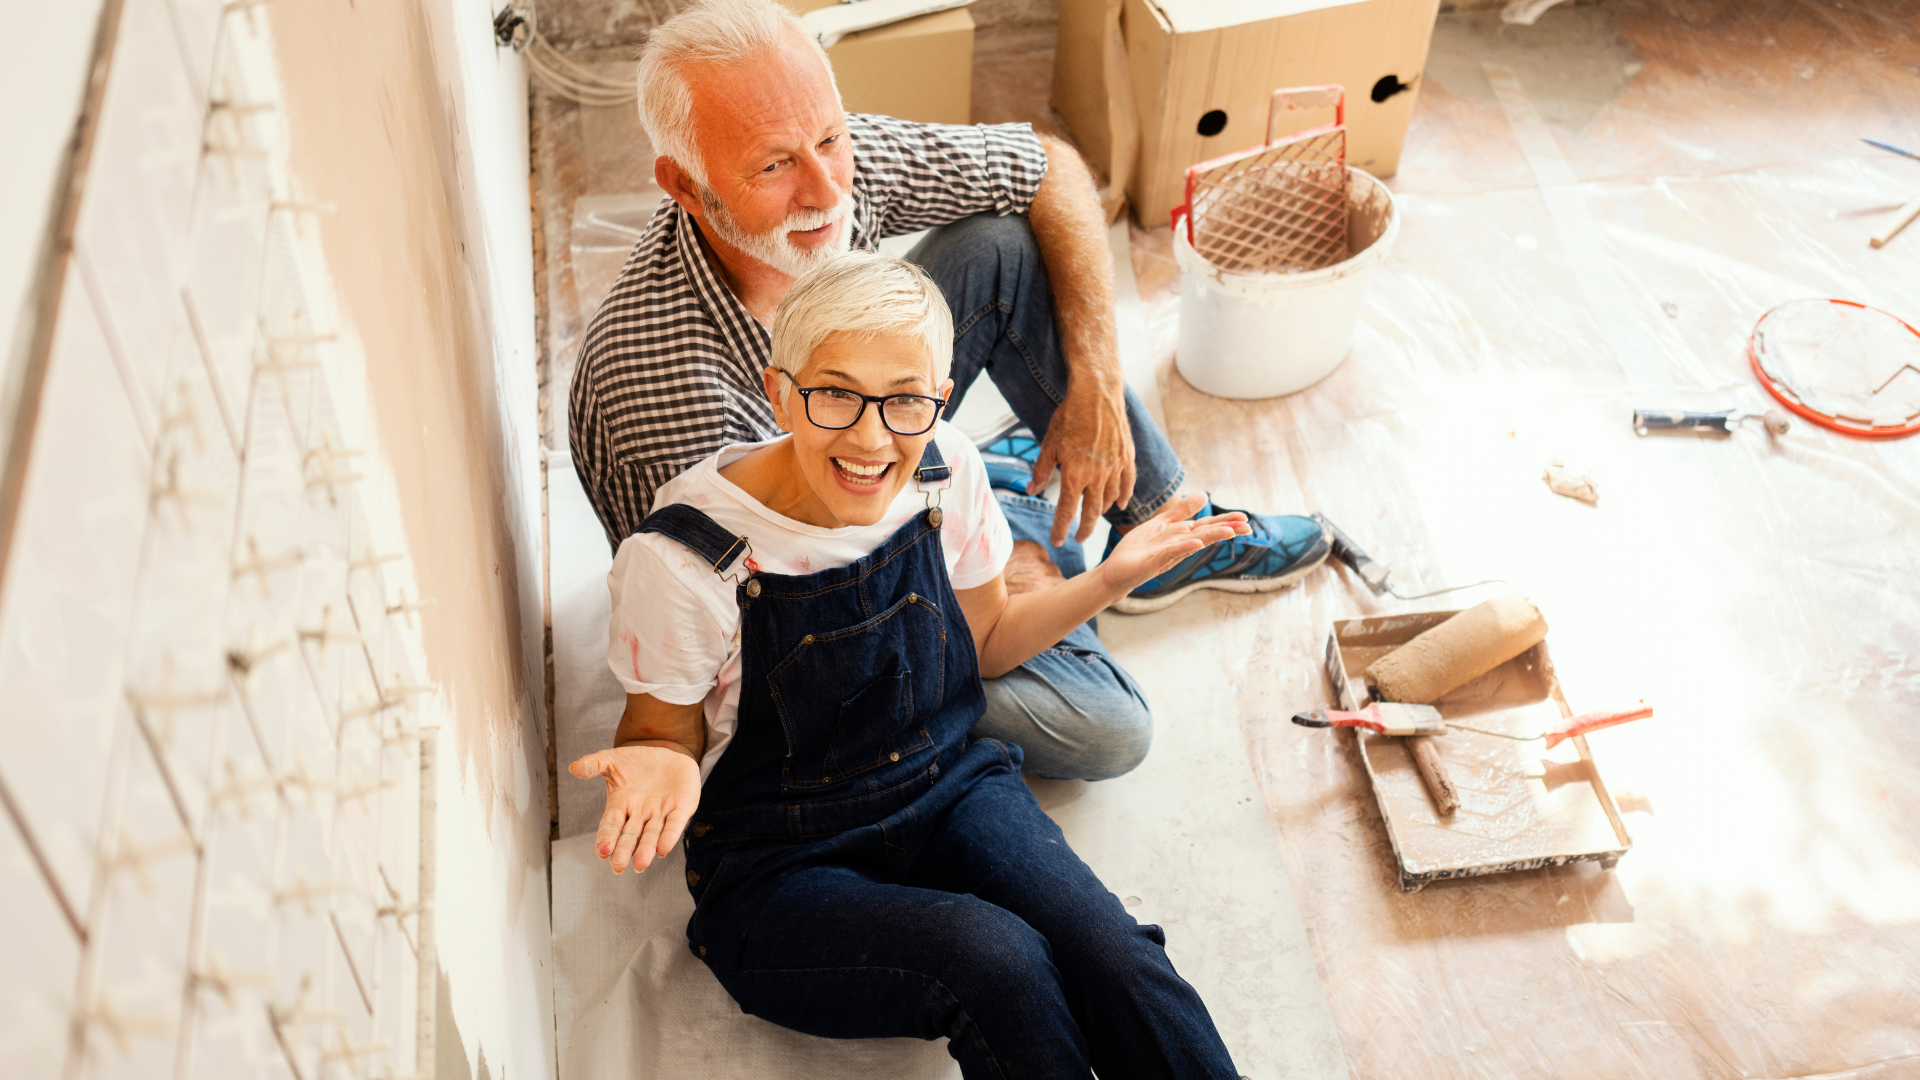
(1088, 437)
(651, 792)
(1089, 440)
(1156, 544)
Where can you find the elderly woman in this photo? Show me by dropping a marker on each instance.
(802, 626)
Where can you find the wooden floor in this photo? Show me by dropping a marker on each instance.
(1585, 243)
(1764, 596)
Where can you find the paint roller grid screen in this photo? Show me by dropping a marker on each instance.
(211, 866)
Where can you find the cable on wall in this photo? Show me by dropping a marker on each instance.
(514, 28)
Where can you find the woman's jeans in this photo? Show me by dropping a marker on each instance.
(1072, 709)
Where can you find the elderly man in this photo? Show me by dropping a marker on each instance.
(770, 178)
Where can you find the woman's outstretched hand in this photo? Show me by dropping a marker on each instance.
(1162, 540)
(651, 792)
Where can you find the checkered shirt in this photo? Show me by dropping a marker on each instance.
(670, 366)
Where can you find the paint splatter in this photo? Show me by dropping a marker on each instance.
(751, 565)
(806, 564)
(633, 650)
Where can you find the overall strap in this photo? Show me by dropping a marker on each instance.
(933, 468)
(697, 532)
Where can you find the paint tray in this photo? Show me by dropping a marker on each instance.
(1522, 806)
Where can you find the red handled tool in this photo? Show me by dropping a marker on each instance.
(1381, 717)
(1594, 721)
(1579, 725)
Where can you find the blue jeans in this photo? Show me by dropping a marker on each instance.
(980, 925)
(990, 271)
(1072, 709)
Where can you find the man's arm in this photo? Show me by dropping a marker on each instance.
(653, 780)
(1088, 437)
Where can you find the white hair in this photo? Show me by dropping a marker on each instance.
(727, 32)
(862, 294)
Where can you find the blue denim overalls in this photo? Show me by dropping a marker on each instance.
(858, 687)
(860, 869)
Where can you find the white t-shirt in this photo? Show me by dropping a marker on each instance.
(676, 628)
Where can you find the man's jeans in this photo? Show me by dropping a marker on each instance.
(989, 268)
(1071, 709)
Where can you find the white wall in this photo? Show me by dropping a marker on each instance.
(44, 83)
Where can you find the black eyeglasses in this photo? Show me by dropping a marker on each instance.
(836, 409)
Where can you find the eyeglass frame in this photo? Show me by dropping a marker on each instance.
(806, 406)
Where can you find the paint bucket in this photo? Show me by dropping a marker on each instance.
(1262, 335)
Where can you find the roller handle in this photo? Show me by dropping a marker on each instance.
(1373, 574)
(1650, 420)
(1580, 725)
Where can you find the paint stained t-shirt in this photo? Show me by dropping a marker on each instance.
(675, 634)
(670, 365)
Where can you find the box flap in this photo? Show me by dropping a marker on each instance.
(1192, 16)
(830, 24)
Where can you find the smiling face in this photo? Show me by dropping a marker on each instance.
(772, 139)
(851, 476)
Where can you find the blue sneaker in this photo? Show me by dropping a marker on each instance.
(1016, 442)
(1280, 551)
(1007, 475)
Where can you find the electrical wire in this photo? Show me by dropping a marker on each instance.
(575, 81)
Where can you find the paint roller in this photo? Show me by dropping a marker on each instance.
(1447, 657)
(1458, 651)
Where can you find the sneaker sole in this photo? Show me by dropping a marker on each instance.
(1134, 605)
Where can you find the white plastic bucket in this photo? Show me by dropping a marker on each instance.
(1263, 335)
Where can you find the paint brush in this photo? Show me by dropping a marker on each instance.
(1417, 723)
(1381, 718)
(1890, 148)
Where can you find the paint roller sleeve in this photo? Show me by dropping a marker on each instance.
(1458, 651)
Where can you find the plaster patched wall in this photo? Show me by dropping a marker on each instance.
(407, 119)
(270, 746)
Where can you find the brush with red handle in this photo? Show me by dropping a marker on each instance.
(1381, 718)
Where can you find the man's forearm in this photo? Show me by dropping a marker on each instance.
(1072, 236)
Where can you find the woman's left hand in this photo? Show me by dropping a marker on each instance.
(1162, 540)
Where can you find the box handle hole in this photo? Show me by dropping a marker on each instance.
(1388, 86)
(1213, 123)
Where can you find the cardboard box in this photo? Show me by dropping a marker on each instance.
(1093, 92)
(916, 69)
(1211, 66)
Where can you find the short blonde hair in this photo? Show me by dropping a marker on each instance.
(862, 294)
(712, 31)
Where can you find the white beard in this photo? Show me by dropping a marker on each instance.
(772, 247)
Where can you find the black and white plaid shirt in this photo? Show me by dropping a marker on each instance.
(670, 366)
